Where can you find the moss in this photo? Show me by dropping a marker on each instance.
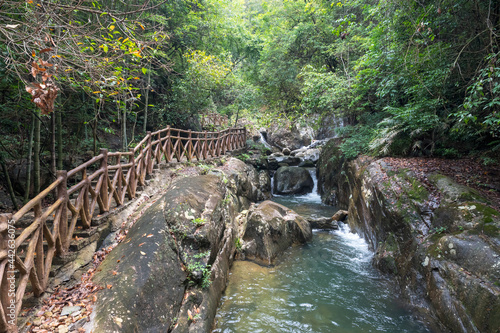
(391, 243)
(490, 230)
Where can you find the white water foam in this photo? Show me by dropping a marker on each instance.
(263, 141)
(355, 241)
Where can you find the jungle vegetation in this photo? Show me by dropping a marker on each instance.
(410, 77)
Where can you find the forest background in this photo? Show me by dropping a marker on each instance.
(409, 78)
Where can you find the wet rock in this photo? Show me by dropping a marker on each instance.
(323, 223)
(271, 229)
(286, 151)
(341, 215)
(308, 156)
(447, 260)
(292, 135)
(293, 180)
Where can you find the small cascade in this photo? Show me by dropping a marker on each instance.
(314, 196)
(263, 141)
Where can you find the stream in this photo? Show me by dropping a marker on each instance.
(326, 286)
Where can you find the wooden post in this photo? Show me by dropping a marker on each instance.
(217, 145)
(132, 180)
(190, 147)
(62, 193)
(168, 143)
(205, 144)
(159, 147)
(149, 160)
(104, 206)
(244, 136)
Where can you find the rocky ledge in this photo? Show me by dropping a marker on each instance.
(440, 239)
(169, 273)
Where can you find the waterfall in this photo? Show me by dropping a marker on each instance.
(263, 141)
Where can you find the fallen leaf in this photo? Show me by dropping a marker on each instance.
(109, 286)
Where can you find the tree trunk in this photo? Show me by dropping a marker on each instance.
(36, 157)
(60, 156)
(53, 159)
(237, 116)
(124, 128)
(147, 99)
(30, 159)
(94, 136)
(9, 184)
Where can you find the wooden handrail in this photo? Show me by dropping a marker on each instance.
(53, 214)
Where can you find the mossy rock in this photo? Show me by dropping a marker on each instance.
(454, 192)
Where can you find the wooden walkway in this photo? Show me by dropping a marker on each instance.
(45, 226)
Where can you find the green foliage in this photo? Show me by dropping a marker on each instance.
(244, 157)
(196, 267)
(199, 221)
(238, 244)
(440, 230)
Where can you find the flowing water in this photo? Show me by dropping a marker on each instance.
(325, 286)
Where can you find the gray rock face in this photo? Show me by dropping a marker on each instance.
(271, 229)
(447, 259)
(323, 223)
(134, 299)
(291, 136)
(292, 180)
(307, 156)
(175, 259)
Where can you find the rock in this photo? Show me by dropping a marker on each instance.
(329, 125)
(271, 229)
(69, 310)
(308, 156)
(446, 259)
(265, 185)
(290, 135)
(341, 215)
(286, 151)
(182, 245)
(293, 180)
(323, 223)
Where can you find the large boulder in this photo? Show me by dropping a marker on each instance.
(293, 180)
(308, 156)
(271, 229)
(175, 259)
(290, 135)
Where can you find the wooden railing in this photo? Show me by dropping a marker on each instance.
(44, 227)
(213, 119)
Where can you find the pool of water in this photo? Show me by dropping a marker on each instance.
(326, 286)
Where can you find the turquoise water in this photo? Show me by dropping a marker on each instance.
(326, 286)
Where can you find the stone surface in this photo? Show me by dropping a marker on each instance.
(175, 259)
(446, 257)
(293, 180)
(289, 135)
(323, 223)
(308, 156)
(272, 228)
(69, 310)
(341, 215)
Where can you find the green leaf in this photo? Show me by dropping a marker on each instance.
(144, 70)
